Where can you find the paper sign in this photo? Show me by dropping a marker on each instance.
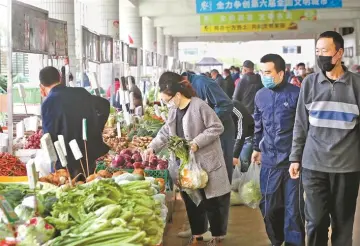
(20, 129)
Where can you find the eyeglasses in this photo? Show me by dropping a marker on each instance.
(166, 102)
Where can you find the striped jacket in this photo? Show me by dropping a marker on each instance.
(326, 132)
(244, 123)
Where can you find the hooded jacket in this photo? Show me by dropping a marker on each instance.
(209, 91)
(246, 89)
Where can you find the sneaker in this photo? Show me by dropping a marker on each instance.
(213, 242)
(187, 233)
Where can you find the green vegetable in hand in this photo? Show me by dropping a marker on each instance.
(181, 149)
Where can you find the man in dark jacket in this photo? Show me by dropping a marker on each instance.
(244, 125)
(216, 76)
(225, 84)
(282, 203)
(249, 84)
(62, 113)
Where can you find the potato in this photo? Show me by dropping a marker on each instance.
(90, 178)
(104, 174)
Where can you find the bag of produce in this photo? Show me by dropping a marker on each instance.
(192, 176)
(249, 187)
(173, 168)
(236, 177)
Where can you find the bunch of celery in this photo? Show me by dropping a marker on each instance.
(105, 213)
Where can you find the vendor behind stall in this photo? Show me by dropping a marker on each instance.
(62, 113)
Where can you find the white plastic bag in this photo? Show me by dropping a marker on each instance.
(236, 178)
(194, 195)
(173, 168)
(192, 176)
(249, 187)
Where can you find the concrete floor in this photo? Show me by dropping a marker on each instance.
(245, 227)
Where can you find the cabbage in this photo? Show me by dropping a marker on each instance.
(23, 212)
(250, 194)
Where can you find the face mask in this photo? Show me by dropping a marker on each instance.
(171, 104)
(325, 63)
(301, 72)
(268, 82)
(296, 73)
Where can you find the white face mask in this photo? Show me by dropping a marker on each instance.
(301, 72)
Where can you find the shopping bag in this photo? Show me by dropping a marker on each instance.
(236, 178)
(194, 195)
(173, 168)
(192, 176)
(249, 187)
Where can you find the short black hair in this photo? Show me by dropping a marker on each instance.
(237, 69)
(336, 37)
(117, 79)
(232, 67)
(301, 64)
(49, 76)
(227, 71)
(214, 71)
(278, 61)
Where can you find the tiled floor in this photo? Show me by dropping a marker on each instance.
(245, 227)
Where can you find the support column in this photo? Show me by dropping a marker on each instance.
(148, 34)
(169, 49)
(175, 48)
(130, 24)
(357, 41)
(160, 41)
(62, 10)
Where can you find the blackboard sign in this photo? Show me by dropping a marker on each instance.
(29, 28)
(91, 45)
(149, 59)
(132, 58)
(106, 49)
(58, 43)
(118, 51)
(126, 52)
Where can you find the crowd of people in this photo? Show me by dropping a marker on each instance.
(300, 126)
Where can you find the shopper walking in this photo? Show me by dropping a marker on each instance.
(191, 118)
(326, 145)
(282, 197)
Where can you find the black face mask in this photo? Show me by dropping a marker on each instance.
(325, 63)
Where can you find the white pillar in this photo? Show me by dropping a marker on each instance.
(62, 10)
(169, 49)
(357, 41)
(160, 41)
(108, 12)
(175, 48)
(148, 34)
(130, 24)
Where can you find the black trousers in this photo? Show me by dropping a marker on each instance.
(214, 211)
(330, 200)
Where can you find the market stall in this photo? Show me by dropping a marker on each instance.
(206, 64)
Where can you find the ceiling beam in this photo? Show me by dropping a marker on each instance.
(194, 30)
(172, 8)
(328, 14)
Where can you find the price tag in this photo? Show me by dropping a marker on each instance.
(48, 147)
(61, 155)
(118, 129)
(75, 149)
(132, 106)
(31, 174)
(157, 110)
(21, 91)
(20, 129)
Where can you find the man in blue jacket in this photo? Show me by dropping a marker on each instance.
(62, 112)
(282, 197)
(209, 91)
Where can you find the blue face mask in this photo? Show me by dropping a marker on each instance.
(268, 82)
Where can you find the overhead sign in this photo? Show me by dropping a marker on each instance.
(257, 17)
(250, 27)
(221, 6)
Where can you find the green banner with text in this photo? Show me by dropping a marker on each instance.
(257, 17)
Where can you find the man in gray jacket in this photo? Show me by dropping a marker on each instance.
(326, 145)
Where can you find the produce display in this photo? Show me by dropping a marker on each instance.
(60, 177)
(128, 159)
(33, 141)
(110, 138)
(140, 142)
(11, 165)
(113, 211)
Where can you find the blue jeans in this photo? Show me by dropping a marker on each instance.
(245, 155)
